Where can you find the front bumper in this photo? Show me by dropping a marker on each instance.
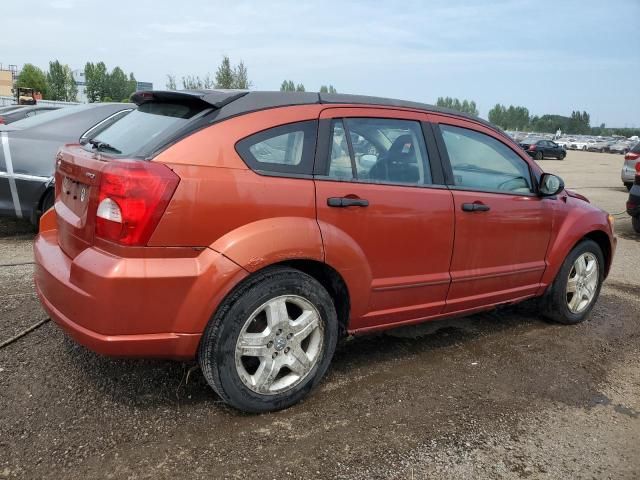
(132, 307)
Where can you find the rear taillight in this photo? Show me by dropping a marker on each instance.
(133, 196)
(632, 156)
(532, 147)
(638, 168)
(2, 121)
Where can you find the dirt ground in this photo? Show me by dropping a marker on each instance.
(498, 395)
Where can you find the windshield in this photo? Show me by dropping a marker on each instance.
(149, 124)
(49, 116)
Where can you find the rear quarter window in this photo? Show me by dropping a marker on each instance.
(285, 150)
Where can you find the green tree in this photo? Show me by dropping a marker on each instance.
(95, 76)
(288, 86)
(241, 77)
(466, 106)
(61, 83)
(171, 82)
(329, 89)
(132, 85)
(300, 88)
(32, 77)
(117, 84)
(225, 74)
(191, 82)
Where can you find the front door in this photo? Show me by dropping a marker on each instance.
(386, 220)
(502, 228)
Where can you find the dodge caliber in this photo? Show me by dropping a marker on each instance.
(251, 230)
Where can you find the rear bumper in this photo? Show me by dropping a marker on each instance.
(132, 307)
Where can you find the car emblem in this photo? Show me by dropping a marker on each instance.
(83, 194)
(90, 175)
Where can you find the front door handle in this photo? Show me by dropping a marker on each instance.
(475, 207)
(342, 202)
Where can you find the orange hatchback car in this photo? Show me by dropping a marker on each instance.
(250, 230)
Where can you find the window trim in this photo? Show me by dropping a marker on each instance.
(323, 154)
(302, 170)
(450, 179)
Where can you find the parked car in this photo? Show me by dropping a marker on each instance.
(564, 142)
(620, 147)
(539, 149)
(19, 113)
(633, 203)
(601, 146)
(631, 161)
(28, 149)
(266, 235)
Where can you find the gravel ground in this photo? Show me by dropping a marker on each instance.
(497, 395)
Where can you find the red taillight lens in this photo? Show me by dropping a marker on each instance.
(2, 121)
(638, 168)
(632, 156)
(133, 196)
(532, 147)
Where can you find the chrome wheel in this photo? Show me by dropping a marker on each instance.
(582, 283)
(279, 345)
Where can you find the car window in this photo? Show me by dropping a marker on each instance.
(148, 125)
(481, 162)
(378, 150)
(50, 116)
(283, 149)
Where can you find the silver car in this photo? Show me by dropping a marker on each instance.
(631, 159)
(28, 148)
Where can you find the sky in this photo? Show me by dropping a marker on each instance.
(550, 56)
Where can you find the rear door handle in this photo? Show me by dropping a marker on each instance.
(475, 207)
(341, 202)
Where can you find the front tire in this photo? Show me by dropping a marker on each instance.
(574, 292)
(539, 156)
(628, 185)
(270, 342)
(562, 156)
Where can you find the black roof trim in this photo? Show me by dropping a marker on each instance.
(238, 102)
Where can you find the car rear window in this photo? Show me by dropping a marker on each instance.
(286, 149)
(142, 130)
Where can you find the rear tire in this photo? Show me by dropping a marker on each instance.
(574, 292)
(562, 156)
(635, 222)
(539, 156)
(256, 354)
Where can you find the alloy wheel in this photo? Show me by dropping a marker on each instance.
(582, 283)
(279, 344)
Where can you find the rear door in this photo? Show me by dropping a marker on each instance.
(502, 227)
(385, 216)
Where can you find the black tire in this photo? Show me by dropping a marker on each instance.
(539, 156)
(628, 185)
(562, 156)
(635, 222)
(216, 354)
(554, 302)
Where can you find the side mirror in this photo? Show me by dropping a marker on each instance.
(550, 185)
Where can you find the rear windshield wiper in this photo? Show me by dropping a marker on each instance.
(103, 146)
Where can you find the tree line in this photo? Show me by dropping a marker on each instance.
(290, 86)
(226, 76)
(55, 84)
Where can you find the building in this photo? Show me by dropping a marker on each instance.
(7, 78)
(144, 86)
(81, 83)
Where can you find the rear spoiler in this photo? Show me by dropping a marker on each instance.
(215, 98)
